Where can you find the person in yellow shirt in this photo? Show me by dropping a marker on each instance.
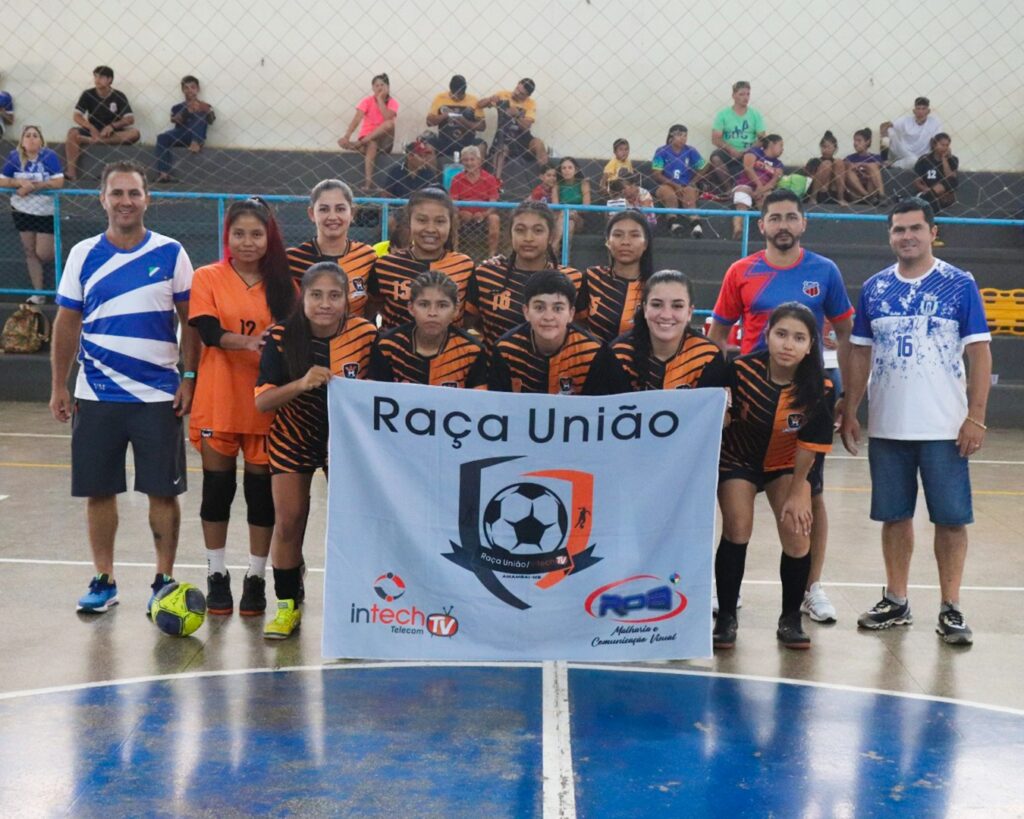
(454, 114)
(618, 162)
(517, 112)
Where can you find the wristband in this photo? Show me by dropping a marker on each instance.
(189, 374)
(976, 423)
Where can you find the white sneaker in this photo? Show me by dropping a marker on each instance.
(817, 606)
(36, 300)
(714, 602)
(697, 231)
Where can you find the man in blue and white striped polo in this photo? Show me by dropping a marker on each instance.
(117, 302)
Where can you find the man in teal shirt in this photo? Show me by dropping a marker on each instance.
(735, 129)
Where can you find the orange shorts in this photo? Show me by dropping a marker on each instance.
(253, 447)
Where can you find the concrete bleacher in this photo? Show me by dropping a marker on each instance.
(994, 254)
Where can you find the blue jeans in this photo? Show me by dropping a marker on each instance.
(180, 136)
(944, 476)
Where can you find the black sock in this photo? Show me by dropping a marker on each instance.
(286, 583)
(793, 571)
(730, 561)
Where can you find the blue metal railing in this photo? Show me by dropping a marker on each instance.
(387, 204)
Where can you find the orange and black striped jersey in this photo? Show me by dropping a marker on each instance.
(357, 262)
(461, 361)
(496, 296)
(766, 426)
(298, 433)
(698, 363)
(394, 273)
(608, 302)
(576, 369)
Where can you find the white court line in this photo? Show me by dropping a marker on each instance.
(623, 668)
(559, 783)
(314, 570)
(32, 435)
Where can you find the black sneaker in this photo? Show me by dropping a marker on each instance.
(791, 632)
(724, 635)
(886, 614)
(218, 594)
(254, 596)
(953, 629)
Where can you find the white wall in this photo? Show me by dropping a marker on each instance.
(288, 74)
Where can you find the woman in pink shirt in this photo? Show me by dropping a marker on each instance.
(375, 117)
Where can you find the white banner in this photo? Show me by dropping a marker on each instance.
(470, 525)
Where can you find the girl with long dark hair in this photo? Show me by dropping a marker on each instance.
(496, 291)
(781, 417)
(318, 341)
(233, 303)
(430, 221)
(662, 351)
(611, 293)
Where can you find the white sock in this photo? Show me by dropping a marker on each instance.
(215, 561)
(257, 566)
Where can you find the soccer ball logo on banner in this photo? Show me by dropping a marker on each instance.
(534, 529)
(526, 516)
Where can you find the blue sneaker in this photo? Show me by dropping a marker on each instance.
(159, 582)
(101, 596)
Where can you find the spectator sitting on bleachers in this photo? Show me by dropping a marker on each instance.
(627, 192)
(909, 137)
(6, 111)
(375, 117)
(103, 115)
(762, 170)
(517, 113)
(454, 115)
(477, 185)
(416, 172)
(734, 131)
(29, 168)
(619, 162)
(191, 119)
(545, 190)
(937, 180)
(864, 181)
(676, 168)
(829, 174)
(572, 188)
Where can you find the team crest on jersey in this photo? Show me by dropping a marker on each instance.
(206, 433)
(358, 286)
(565, 386)
(350, 370)
(812, 289)
(929, 304)
(795, 420)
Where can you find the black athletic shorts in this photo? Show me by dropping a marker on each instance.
(32, 222)
(760, 478)
(100, 434)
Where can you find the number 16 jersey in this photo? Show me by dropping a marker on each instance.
(226, 379)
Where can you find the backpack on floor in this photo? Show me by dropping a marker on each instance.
(25, 331)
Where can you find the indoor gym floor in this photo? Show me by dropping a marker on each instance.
(103, 715)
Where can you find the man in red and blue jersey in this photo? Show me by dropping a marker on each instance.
(756, 285)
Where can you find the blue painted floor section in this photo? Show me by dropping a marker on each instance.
(695, 745)
(465, 741)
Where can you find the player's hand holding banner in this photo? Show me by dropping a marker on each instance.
(470, 525)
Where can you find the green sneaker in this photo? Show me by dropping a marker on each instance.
(285, 622)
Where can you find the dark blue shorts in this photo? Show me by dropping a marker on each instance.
(944, 476)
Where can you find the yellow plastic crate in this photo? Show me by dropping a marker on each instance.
(1004, 310)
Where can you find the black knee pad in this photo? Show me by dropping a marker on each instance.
(218, 493)
(258, 499)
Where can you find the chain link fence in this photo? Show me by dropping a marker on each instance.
(285, 81)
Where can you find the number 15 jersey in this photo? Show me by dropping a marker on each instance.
(226, 379)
